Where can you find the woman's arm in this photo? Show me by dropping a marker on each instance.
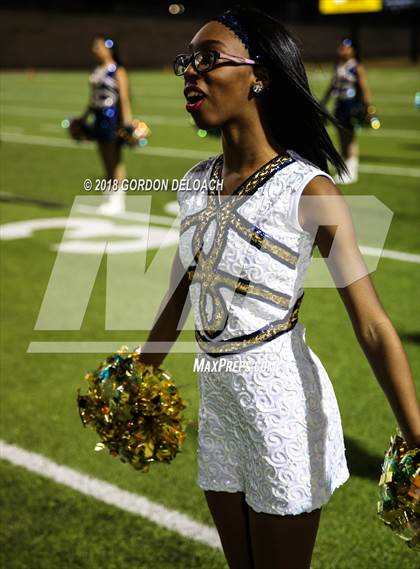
(124, 93)
(372, 326)
(325, 98)
(86, 113)
(327, 93)
(363, 83)
(168, 317)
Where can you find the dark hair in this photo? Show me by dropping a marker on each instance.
(114, 49)
(296, 118)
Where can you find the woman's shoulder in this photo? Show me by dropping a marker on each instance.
(201, 168)
(199, 171)
(303, 164)
(302, 171)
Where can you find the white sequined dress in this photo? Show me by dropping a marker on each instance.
(269, 424)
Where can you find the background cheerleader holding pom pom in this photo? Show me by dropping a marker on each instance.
(353, 106)
(112, 125)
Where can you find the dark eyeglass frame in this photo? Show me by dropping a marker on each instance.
(186, 58)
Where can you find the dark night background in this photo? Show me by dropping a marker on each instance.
(58, 34)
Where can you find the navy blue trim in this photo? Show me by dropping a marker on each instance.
(249, 336)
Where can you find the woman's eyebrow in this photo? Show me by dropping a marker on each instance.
(207, 43)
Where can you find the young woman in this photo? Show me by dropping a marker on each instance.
(350, 89)
(270, 441)
(110, 103)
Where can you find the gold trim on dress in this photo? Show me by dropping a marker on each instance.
(248, 341)
(205, 270)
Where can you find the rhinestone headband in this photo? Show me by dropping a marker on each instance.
(231, 22)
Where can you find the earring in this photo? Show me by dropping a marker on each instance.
(257, 88)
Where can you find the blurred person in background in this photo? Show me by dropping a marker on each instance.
(350, 89)
(110, 104)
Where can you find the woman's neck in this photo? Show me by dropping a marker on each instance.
(107, 61)
(247, 146)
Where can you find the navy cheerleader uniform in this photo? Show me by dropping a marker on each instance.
(105, 103)
(346, 92)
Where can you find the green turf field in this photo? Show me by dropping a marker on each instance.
(46, 525)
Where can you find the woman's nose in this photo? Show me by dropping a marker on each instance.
(190, 71)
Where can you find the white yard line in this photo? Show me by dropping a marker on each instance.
(171, 221)
(67, 143)
(21, 111)
(132, 216)
(390, 133)
(8, 110)
(62, 94)
(389, 254)
(199, 154)
(110, 494)
(180, 152)
(389, 170)
(105, 347)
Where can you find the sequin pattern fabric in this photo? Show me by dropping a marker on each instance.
(269, 421)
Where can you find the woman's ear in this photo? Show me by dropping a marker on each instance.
(263, 75)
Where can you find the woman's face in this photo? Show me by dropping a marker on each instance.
(99, 49)
(227, 87)
(345, 52)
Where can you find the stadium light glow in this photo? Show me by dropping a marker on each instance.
(349, 6)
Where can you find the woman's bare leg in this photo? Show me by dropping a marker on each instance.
(283, 542)
(348, 144)
(230, 514)
(110, 153)
(350, 153)
(114, 170)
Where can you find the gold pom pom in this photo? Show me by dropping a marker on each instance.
(135, 134)
(135, 408)
(399, 504)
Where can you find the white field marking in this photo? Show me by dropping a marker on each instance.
(110, 494)
(56, 113)
(24, 229)
(181, 152)
(67, 143)
(133, 215)
(158, 94)
(50, 127)
(64, 97)
(371, 251)
(14, 129)
(389, 170)
(400, 113)
(390, 133)
(169, 102)
(18, 111)
(58, 347)
(93, 235)
(9, 110)
(389, 254)
(396, 99)
(185, 122)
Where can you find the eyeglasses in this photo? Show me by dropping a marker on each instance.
(204, 61)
